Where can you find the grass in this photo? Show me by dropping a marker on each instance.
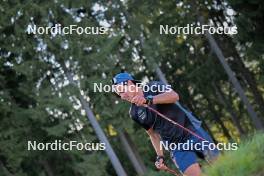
(248, 160)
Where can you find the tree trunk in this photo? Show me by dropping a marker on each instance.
(207, 129)
(228, 106)
(4, 170)
(99, 132)
(47, 167)
(218, 119)
(132, 153)
(256, 121)
(161, 75)
(248, 76)
(230, 49)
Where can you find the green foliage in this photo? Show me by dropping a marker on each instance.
(247, 160)
(37, 102)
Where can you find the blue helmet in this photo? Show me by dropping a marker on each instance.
(122, 77)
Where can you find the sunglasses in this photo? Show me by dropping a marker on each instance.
(115, 82)
(118, 91)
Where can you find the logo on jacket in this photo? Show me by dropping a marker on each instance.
(142, 114)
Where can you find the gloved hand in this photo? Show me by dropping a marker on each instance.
(160, 163)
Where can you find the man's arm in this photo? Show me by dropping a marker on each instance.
(155, 140)
(162, 98)
(166, 97)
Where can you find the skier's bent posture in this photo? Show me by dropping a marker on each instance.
(163, 99)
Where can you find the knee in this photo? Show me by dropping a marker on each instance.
(193, 170)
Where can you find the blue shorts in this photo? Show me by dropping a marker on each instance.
(185, 158)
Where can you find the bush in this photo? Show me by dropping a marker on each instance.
(247, 160)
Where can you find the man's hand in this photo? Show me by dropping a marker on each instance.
(160, 163)
(139, 100)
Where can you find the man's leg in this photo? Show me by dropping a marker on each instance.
(186, 162)
(193, 170)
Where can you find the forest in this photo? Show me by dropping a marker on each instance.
(47, 82)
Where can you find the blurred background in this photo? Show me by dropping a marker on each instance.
(47, 91)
